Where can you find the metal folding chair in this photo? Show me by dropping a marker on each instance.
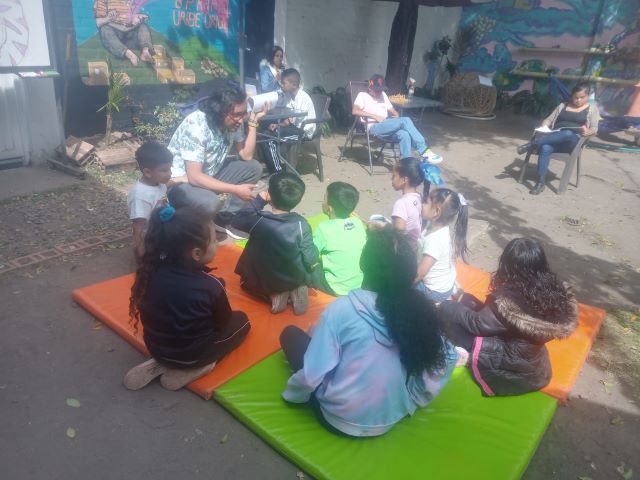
(359, 128)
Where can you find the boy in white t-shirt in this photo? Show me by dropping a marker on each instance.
(154, 161)
(376, 107)
(291, 128)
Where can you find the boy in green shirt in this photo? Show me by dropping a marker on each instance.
(340, 240)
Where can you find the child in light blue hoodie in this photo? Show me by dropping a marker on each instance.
(376, 354)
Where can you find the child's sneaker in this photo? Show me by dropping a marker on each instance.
(279, 302)
(432, 157)
(176, 378)
(300, 299)
(140, 375)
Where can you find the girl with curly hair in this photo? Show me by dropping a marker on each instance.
(527, 307)
(188, 322)
(377, 354)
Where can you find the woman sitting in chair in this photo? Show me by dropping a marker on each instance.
(384, 121)
(271, 71)
(569, 121)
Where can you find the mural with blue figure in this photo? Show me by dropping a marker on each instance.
(157, 41)
(497, 29)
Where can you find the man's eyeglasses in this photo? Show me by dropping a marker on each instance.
(237, 115)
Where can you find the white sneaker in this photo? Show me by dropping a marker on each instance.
(432, 157)
(140, 375)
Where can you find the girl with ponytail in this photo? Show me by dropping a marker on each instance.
(185, 313)
(377, 354)
(443, 241)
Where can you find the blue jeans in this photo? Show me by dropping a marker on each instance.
(437, 297)
(403, 131)
(563, 141)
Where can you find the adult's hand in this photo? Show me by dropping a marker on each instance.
(245, 191)
(258, 115)
(584, 131)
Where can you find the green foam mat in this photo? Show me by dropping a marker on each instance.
(460, 435)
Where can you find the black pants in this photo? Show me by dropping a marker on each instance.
(457, 333)
(270, 148)
(229, 339)
(294, 342)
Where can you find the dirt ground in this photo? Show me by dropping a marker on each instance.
(54, 351)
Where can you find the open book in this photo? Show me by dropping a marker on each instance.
(546, 129)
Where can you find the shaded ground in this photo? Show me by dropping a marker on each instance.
(54, 351)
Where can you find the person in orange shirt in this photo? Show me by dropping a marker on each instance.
(123, 29)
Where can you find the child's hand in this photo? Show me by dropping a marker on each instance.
(245, 192)
(265, 196)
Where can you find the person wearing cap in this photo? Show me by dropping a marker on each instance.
(384, 121)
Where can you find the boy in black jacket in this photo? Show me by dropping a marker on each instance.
(279, 259)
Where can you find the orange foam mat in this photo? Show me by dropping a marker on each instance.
(109, 302)
(568, 355)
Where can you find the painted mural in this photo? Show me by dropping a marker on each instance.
(156, 41)
(592, 37)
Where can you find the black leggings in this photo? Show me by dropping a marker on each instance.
(270, 148)
(294, 342)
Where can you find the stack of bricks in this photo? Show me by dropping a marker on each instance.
(171, 69)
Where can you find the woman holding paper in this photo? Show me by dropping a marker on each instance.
(561, 131)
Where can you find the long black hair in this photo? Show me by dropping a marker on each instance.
(523, 268)
(275, 50)
(452, 208)
(169, 241)
(218, 105)
(411, 168)
(389, 266)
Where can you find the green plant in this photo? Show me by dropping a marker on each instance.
(536, 103)
(116, 94)
(167, 119)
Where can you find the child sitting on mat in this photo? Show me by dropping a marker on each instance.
(376, 354)
(407, 176)
(278, 261)
(185, 313)
(340, 240)
(506, 335)
(438, 248)
(154, 161)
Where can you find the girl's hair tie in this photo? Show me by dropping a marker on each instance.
(167, 213)
(463, 201)
(431, 173)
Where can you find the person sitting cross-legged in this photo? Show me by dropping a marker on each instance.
(375, 106)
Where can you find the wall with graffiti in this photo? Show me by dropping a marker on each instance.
(592, 37)
(156, 41)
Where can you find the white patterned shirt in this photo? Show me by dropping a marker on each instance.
(194, 141)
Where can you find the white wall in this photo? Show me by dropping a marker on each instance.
(46, 131)
(334, 41)
(30, 123)
(34, 130)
